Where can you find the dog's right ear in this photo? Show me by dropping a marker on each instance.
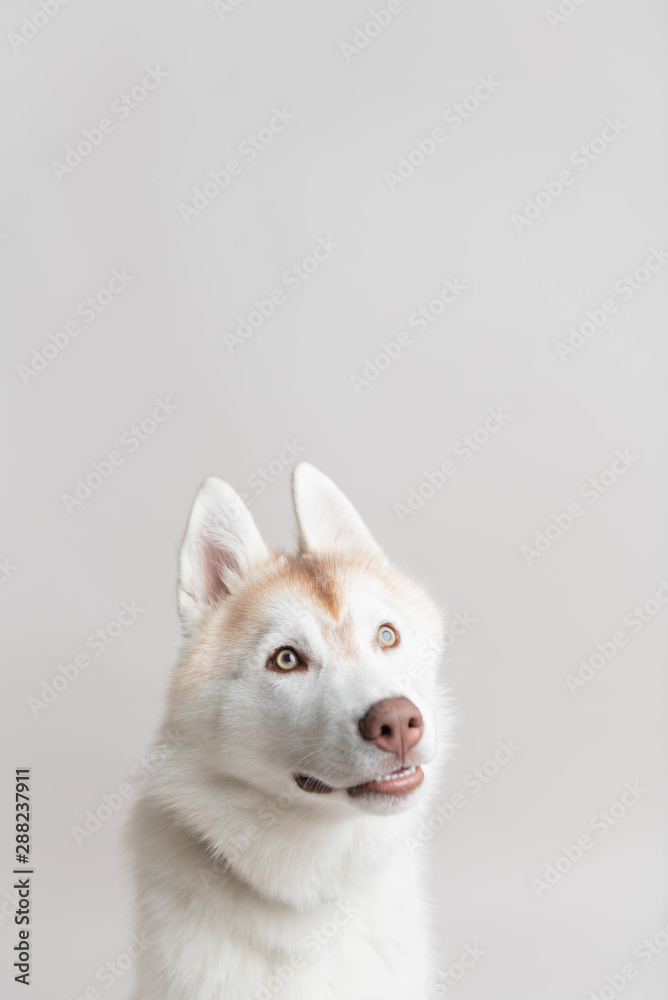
(326, 518)
(221, 544)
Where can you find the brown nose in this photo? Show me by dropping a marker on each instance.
(393, 724)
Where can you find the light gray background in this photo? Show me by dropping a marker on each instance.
(163, 337)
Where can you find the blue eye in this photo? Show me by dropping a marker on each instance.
(387, 636)
(286, 659)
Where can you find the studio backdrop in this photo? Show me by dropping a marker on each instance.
(422, 245)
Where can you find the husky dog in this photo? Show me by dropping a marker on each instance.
(304, 728)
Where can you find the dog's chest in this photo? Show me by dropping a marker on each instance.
(363, 948)
(229, 944)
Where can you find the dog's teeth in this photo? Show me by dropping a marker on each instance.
(403, 772)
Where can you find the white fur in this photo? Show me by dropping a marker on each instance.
(248, 887)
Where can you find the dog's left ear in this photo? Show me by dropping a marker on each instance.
(326, 518)
(221, 545)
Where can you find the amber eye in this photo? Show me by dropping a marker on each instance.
(286, 659)
(387, 636)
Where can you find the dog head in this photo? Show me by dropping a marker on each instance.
(310, 675)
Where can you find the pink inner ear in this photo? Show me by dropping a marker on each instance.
(215, 565)
(337, 518)
(342, 534)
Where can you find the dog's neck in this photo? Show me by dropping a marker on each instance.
(302, 854)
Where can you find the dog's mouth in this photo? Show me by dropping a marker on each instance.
(399, 782)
